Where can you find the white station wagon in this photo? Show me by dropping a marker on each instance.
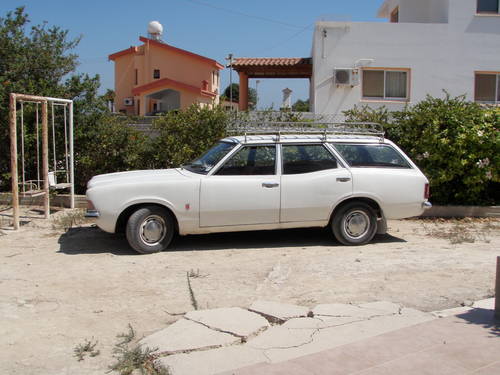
(350, 183)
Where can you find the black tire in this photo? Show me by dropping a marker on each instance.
(354, 224)
(150, 229)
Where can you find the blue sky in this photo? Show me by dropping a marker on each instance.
(213, 28)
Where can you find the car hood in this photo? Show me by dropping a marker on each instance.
(144, 176)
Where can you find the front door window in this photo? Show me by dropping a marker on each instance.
(251, 161)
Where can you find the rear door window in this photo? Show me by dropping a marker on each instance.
(299, 159)
(366, 155)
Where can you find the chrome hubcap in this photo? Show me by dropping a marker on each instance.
(356, 224)
(153, 230)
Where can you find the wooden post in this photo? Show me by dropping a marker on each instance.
(497, 291)
(45, 159)
(72, 157)
(45, 150)
(243, 99)
(13, 160)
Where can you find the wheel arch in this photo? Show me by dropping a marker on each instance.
(370, 201)
(121, 222)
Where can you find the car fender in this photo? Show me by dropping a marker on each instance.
(365, 195)
(148, 200)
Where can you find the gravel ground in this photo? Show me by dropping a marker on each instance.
(61, 287)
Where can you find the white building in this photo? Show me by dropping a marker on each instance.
(426, 47)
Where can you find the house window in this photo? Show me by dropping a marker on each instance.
(156, 73)
(487, 88)
(385, 84)
(487, 6)
(136, 77)
(395, 15)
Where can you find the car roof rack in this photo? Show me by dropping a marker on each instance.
(325, 129)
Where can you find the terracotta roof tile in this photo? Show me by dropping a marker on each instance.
(271, 61)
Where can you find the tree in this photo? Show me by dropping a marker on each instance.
(36, 61)
(109, 98)
(455, 142)
(252, 94)
(301, 106)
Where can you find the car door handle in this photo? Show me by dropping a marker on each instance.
(343, 179)
(270, 184)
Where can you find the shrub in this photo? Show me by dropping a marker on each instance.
(186, 134)
(108, 145)
(453, 141)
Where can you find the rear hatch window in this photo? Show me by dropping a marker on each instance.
(371, 155)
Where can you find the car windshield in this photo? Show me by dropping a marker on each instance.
(205, 163)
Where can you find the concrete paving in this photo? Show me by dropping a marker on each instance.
(279, 312)
(185, 335)
(467, 343)
(233, 320)
(223, 340)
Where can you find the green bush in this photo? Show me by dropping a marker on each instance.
(455, 142)
(185, 135)
(108, 145)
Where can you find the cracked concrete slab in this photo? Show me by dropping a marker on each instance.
(318, 322)
(359, 311)
(281, 337)
(185, 335)
(328, 338)
(488, 304)
(213, 341)
(233, 320)
(213, 361)
(279, 311)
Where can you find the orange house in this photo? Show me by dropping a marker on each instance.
(157, 77)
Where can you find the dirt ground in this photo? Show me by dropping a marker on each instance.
(61, 287)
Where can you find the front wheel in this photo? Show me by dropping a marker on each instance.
(150, 229)
(355, 224)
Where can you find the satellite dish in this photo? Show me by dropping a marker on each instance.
(155, 30)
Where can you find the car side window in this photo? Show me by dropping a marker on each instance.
(299, 159)
(364, 155)
(251, 160)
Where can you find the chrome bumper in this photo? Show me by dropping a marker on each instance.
(92, 214)
(426, 205)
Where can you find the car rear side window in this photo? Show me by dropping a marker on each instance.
(251, 160)
(299, 159)
(365, 155)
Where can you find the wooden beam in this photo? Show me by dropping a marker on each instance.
(13, 160)
(45, 159)
(497, 291)
(243, 105)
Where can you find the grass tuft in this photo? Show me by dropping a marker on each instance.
(88, 347)
(457, 231)
(131, 358)
(194, 302)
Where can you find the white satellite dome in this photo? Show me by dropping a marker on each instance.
(155, 28)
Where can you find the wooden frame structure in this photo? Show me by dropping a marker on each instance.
(43, 101)
(269, 67)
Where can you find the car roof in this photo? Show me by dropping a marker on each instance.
(303, 138)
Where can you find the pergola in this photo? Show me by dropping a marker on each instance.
(272, 67)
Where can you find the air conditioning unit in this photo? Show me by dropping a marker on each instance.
(346, 77)
(128, 101)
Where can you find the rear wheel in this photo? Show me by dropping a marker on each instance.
(354, 224)
(150, 229)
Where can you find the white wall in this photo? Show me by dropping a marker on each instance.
(417, 11)
(423, 11)
(440, 55)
